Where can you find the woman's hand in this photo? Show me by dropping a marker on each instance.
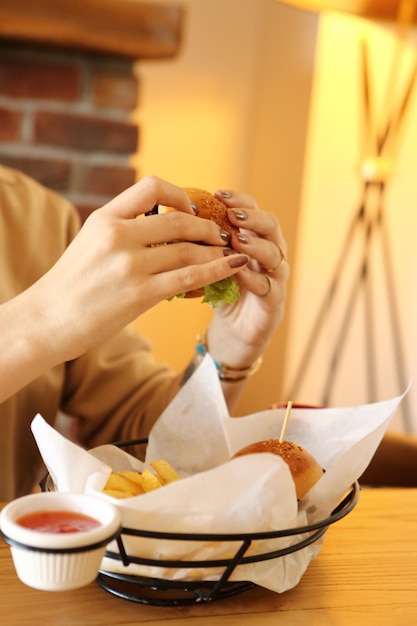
(239, 333)
(111, 273)
(116, 268)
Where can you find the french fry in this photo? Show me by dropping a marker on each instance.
(135, 477)
(150, 481)
(165, 471)
(117, 482)
(126, 484)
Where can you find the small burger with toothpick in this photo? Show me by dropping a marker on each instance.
(304, 468)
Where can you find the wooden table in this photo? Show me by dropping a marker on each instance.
(365, 574)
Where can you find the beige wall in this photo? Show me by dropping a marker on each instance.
(230, 111)
(286, 67)
(330, 199)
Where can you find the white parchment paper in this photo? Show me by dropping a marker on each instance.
(218, 495)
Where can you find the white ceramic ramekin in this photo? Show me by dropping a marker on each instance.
(58, 561)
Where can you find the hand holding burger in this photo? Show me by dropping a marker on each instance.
(247, 315)
(239, 334)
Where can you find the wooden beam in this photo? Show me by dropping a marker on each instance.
(386, 10)
(123, 28)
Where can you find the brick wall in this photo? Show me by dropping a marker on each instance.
(65, 120)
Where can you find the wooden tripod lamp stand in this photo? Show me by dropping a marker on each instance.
(368, 224)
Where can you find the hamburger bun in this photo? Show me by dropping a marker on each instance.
(304, 468)
(210, 207)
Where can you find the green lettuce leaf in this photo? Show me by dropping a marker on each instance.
(226, 290)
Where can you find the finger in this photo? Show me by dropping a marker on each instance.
(145, 194)
(263, 285)
(194, 277)
(274, 266)
(181, 254)
(236, 199)
(260, 285)
(263, 223)
(266, 254)
(260, 236)
(176, 226)
(244, 213)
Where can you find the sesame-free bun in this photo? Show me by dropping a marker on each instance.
(304, 468)
(210, 207)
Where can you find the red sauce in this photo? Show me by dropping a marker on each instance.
(58, 522)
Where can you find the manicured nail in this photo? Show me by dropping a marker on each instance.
(238, 260)
(242, 238)
(224, 193)
(225, 235)
(194, 208)
(241, 215)
(228, 251)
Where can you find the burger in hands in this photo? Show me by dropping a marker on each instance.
(212, 208)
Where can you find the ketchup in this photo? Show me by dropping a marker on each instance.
(58, 521)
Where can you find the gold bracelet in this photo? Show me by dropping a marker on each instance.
(226, 372)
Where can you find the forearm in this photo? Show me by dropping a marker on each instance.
(28, 343)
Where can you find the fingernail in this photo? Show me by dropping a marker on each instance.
(242, 238)
(194, 208)
(224, 193)
(228, 251)
(241, 215)
(225, 235)
(238, 260)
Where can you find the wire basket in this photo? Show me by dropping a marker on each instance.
(167, 592)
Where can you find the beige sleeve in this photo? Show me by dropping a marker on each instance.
(117, 391)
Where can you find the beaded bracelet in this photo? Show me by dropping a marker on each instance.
(226, 372)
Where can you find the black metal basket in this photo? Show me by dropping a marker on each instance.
(167, 592)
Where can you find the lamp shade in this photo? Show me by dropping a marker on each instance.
(377, 9)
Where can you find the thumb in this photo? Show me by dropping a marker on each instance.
(141, 197)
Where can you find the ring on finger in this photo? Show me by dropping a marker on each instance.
(269, 281)
(282, 259)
